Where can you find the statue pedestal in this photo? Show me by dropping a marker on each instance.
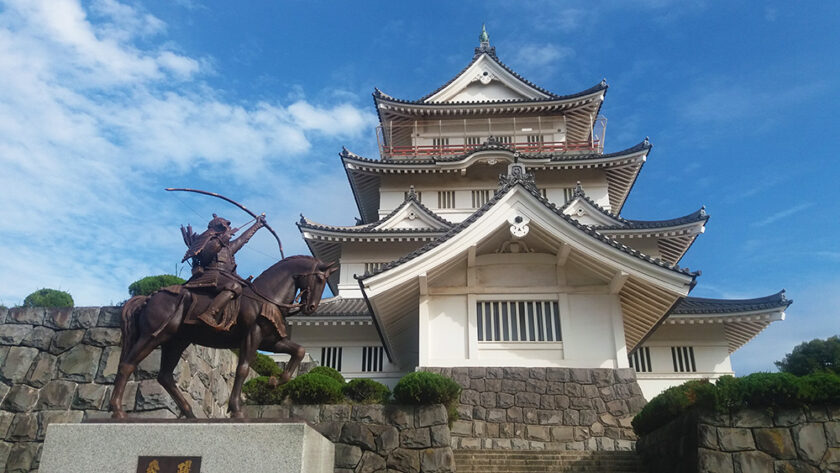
(178, 446)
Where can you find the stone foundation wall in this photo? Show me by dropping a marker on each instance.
(545, 408)
(805, 440)
(370, 438)
(58, 365)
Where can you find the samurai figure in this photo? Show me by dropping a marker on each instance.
(214, 266)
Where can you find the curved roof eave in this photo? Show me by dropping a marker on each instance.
(702, 305)
(628, 224)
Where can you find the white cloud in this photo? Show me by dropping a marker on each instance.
(92, 126)
(783, 214)
(541, 55)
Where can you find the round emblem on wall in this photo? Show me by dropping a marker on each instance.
(519, 225)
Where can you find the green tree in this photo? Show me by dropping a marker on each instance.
(48, 298)
(150, 284)
(816, 356)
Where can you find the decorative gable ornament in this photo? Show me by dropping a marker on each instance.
(519, 225)
(517, 174)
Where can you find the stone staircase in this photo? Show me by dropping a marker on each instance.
(512, 461)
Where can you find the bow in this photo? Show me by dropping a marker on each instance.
(265, 224)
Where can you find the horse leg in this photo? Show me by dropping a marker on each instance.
(296, 352)
(247, 353)
(169, 358)
(138, 353)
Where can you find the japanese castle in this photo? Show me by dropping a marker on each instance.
(491, 234)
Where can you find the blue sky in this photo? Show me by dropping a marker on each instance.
(105, 103)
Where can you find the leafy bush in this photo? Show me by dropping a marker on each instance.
(265, 366)
(48, 298)
(329, 372)
(813, 357)
(771, 390)
(422, 387)
(263, 390)
(150, 284)
(314, 388)
(366, 391)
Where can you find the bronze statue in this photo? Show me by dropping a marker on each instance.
(253, 313)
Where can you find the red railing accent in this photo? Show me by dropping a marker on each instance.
(525, 147)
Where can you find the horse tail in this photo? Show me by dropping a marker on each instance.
(129, 323)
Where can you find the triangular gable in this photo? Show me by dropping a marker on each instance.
(411, 215)
(393, 293)
(584, 211)
(485, 79)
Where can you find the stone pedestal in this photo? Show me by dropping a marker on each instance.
(223, 446)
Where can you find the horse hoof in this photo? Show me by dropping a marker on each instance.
(118, 415)
(237, 415)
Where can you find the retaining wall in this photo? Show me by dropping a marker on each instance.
(545, 408)
(58, 365)
(371, 438)
(805, 440)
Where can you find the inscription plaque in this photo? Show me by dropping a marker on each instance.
(167, 464)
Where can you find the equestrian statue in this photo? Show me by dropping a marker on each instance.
(218, 308)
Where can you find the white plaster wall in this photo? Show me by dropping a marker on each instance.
(448, 330)
(476, 91)
(355, 255)
(588, 330)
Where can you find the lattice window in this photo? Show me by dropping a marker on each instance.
(479, 198)
(373, 267)
(683, 358)
(568, 194)
(544, 193)
(440, 143)
(417, 193)
(446, 199)
(505, 139)
(473, 140)
(331, 356)
(640, 360)
(372, 359)
(535, 139)
(518, 321)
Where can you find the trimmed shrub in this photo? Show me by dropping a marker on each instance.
(314, 388)
(758, 390)
(265, 366)
(329, 372)
(263, 390)
(48, 298)
(366, 391)
(422, 387)
(150, 284)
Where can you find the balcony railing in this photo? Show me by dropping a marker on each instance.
(524, 147)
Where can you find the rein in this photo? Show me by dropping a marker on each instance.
(295, 301)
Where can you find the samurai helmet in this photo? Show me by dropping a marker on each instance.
(218, 224)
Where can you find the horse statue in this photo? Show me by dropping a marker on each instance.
(162, 320)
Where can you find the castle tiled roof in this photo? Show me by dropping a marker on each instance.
(701, 305)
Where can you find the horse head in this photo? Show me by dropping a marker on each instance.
(311, 285)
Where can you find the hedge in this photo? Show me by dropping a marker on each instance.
(263, 390)
(48, 298)
(422, 387)
(314, 388)
(265, 366)
(366, 391)
(763, 390)
(150, 284)
(329, 372)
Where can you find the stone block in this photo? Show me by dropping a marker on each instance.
(440, 435)
(26, 315)
(707, 436)
(597, 429)
(751, 418)
(635, 404)
(110, 317)
(514, 414)
(810, 442)
(563, 434)
(536, 373)
(90, 396)
(617, 408)
(479, 429)
(470, 397)
(416, 438)
(505, 400)
(306, 412)
(547, 401)
(571, 417)
(462, 428)
(24, 428)
(399, 416)
(477, 372)
(84, 317)
(330, 430)
(561, 401)
(832, 433)
(536, 386)
(149, 367)
(603, 377)
(529, 415)
(794, 466)
(581, 375)
(711, 461)
(404, 460)
(735, 439)
(487, 399)
(339, 413)
(370, 463)
(43, 370)
(79, 363)
(371, 414)
(788, 417)
(479, 413)
(152, 396)
(464, 412)
(580, 403)
(40, 337)
(437, 460)
(20, 398)
(776, 442)
(63, 340)
(526, 399)
(501, 444)
(57, 417)
(590, 391)
(347, 456)
(355, 433)
(496, 415)
(5, 447)
(103, 337)
(625, 375)
(57, 394)
(549, 417)
(520, 374)
(588, 417)
(537, 432)
(493, 385)
(387, 438)
(58, 318)
(431, 415)
(557, 375)
(512, 386)
(23, 456)
(109, 363)
(752, 462)
(17, 363)
(477, 384)
(13, 334)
